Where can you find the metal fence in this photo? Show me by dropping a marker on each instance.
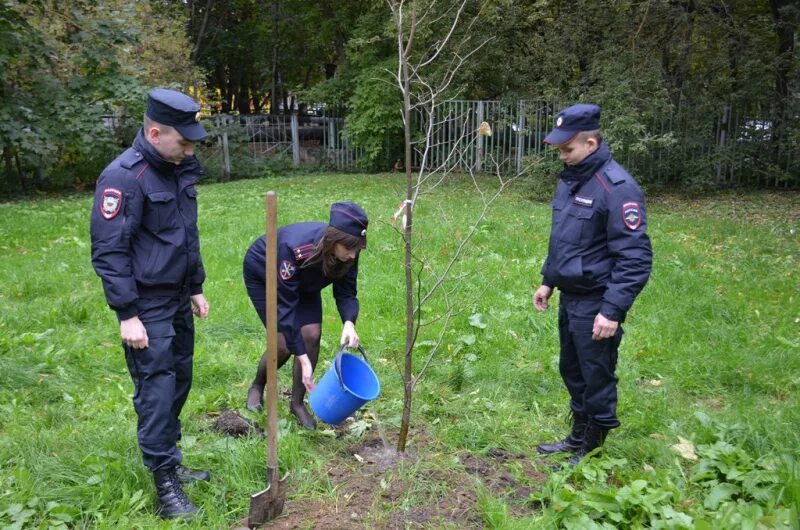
(752, 145)
(726, 145)
(250, 141)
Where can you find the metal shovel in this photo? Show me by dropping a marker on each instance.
(268, 504)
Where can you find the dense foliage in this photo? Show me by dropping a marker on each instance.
(666, 72)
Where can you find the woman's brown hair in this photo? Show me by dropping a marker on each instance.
(324, 254)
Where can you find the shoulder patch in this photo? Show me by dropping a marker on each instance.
(110, 203)
(287, 270)
(632, 215)
(303, 252)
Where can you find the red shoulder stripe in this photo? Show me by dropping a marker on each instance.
(600, 180)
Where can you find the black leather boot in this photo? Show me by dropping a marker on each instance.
(171, 501)
(255, 398)
(571, 443)
(304, 417)
(593, 438)
(187, 476)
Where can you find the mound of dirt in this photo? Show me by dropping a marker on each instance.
(231, 423)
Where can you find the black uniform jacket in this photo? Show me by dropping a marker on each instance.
(144, 233)
(599, 246)
(296, 242)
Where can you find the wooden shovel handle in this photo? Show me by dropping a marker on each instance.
(272, 329)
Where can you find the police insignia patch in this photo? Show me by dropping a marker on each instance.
(287, 270)
(631, 215)
(111, 203)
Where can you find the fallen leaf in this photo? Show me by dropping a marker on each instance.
(685, 448)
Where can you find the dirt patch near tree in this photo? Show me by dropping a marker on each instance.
(231, 423)
(375, 488)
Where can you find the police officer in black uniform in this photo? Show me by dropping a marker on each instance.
(599, 258)
(146, 250)
(311, 256)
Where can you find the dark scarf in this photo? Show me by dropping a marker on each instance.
(590, 165)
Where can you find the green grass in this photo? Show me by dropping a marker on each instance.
(710, 354)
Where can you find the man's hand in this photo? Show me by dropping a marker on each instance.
(133, 333)
(541, 296)
(603, 328)
(307, 372)
(199, 306)
(349, 335)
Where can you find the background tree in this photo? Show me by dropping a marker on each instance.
(71, 70)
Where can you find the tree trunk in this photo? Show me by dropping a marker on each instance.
(201, 33)
(8, 162)
(785, 30)
(275, 92)
(408, 381)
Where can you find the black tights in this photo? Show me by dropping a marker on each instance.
(311, 337)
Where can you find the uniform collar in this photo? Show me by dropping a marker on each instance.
(588, 166)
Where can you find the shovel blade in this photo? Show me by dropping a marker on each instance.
(268, 504)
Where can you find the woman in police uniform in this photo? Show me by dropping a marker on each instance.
(311, 256)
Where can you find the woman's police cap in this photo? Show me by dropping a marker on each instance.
(572, 120)
(178, 110)
(350, 218)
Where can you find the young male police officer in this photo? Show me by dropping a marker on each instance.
(599, 258)
(146, 250)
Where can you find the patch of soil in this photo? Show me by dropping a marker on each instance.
(370, 493)
(493, 473)
(231, 423)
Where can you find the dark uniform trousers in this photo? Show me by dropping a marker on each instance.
(162, 376)
(588, 366)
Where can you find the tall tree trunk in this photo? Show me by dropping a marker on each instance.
(8, 162)
(275, 92)
(682, 64)
(785, 29)
(201, 33)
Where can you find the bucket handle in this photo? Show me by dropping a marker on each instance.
(338, 361)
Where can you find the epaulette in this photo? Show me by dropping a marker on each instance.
(130, 158)
(303, 252)
(615, 173)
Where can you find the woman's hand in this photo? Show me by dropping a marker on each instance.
(307, 372)
(349, 335)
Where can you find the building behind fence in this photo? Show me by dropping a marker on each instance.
(747, 145)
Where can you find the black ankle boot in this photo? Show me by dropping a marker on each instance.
(187, 476)
(593, 438)
(171, 501)
(571, 443)
(304, 417)
(255, 398)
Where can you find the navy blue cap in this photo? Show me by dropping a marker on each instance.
(178, 110)
(572, 120)
(350, 218)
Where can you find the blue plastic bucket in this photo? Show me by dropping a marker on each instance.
(347, 385)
